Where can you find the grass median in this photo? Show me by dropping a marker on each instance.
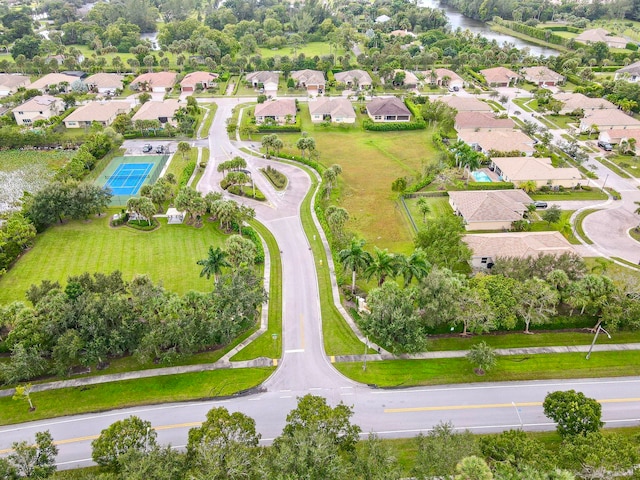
(407, 373)
(265, 345)
(129, 393)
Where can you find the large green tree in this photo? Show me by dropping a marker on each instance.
(354, 258)
(129, 435)
(573, 412)
(441, 241)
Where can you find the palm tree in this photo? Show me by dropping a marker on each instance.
(413, 266)
(424, 208)
(529, 186)
(355, 258)
(214, 263)
(382, 265)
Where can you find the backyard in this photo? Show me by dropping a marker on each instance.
(311, 49)
(370, 162)
(27, 171)
(168, 254)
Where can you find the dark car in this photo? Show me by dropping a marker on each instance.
(540, 204)
(606, 146)
(159, 149)
(147, 148)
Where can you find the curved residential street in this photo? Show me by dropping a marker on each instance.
(305, 368)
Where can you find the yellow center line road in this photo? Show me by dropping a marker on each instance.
(492, 405)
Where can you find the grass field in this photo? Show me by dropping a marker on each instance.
(630, 164)
(311, 49)
(168, 254)
(370, 162)
(28, 171)
(129, 393)
(405, 373)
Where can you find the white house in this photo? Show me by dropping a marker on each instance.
(332, 109)
(41, 107)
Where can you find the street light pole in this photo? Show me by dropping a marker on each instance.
(595, 337)
(605, 181)
(366, 349)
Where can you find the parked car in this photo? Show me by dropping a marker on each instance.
(540, 204)
(160, 149)
(147, 148)
(606, 146)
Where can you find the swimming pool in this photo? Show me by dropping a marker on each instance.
(481, 177)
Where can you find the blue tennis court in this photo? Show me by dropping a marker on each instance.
(128, 178)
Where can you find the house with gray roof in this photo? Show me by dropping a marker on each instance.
(312, 80)
(486, 248)
(164, 111)
(489, 209)
(268, 81)
(354, 79)
(388, 109)
(630, 73)
(280, 112)
(105, 83)
(332, 109)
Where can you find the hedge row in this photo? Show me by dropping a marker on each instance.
(279, 129)
(187, 171)
(540, 34)
(490, 186)
(393, 126)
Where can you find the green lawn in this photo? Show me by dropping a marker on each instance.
(527, 104)
(543, 226)
(311, 49)
(370, 162)
(406, 373)
(594, 194)
(439, 208)
(630, 164)
(168, 254)
(129, 393)
(265, 345)
(519, 340)
(563, 121)
(578, 224)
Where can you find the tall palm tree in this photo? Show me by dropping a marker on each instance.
(413, 266)
(214, 263)
(354, 258)
(383, 264)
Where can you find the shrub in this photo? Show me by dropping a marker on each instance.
(278, 179)
(187, 171)
(489, 186)
(393, 126)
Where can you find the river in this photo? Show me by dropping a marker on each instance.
(457, 19)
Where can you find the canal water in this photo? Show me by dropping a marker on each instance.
(457, 19)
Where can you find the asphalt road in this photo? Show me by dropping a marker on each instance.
(304, 367)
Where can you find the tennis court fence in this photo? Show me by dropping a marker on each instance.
(155, 173)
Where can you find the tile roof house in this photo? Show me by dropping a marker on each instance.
(578, 101)
(498, 141)
(388, 109)
(358, 79)
(486, 248)
(10, 84)
(607, 120)
(630, 73)
(41, 107)
(540, 170)
(263, 79)
(465, 104)
(489, 209)
(101, 112)
(312, 80)
(402, 33)
(499, 76)
(332, 109)
(382, 19)
(410, 79)
(482, 121)
(51, 79)
(281, 111)
(443, 77)
(195, 80)
(542, 76)
(595, 35)
(164, 111)
(104, 82)
(157, 82)
(615, 136)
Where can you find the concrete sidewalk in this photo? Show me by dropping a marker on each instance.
(614, 347)
(268, 362)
